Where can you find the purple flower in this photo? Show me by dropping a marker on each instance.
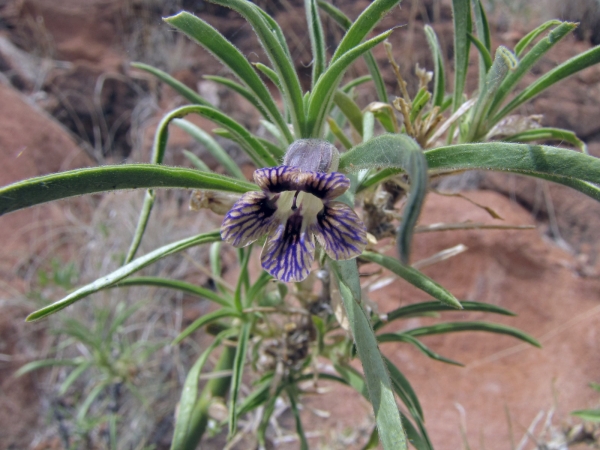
(293, 207)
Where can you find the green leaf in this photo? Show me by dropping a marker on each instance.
(125, 271)
(362, 26)
(238, 371)
(357, 382)
(422, 308)
(568, 68)
(297, 418)
(204, 320)
(484, 43)
(355, 82)
(396, 151)
(486, 58)
(317, 41)
(403, 337)
(182, 286)
(46, 188)
(591, 415)
(350, 109)
(462, 26)
(256, 398)
(530, 37)
(550, 163)
(212, 146)
(178, 86)
(189, 395)
(322, 94)
(414, 277)
(404, 390)
(140, 228)
(453, 327)
(230, 56)
(439, 80)
(344, 22)
(504, 62)
(76, 373)
(339, 134)
(278, 55)
(378, 382)
(42, 363)
(528, 61)
(250, 144)
(247, 94)
(548, 134)
(269, 73)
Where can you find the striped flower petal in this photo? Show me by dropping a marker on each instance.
(251, 217)
(289, 253)
(325, 186)
(340, 231)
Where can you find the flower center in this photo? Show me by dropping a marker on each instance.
(301, 203)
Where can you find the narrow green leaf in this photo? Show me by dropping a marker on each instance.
(125, 271)
(212, 146)
(403, 337)
(486, 57)
(591, 415)
(178, 86)
(414, 277)
(568, 68)
(548, 134)
(419, 102)
(484, 41)
(252, 146)
(189, 395)
(317, 41)
(368, 126)
(269, 73)
(238, 371)
(439, 73)
(396, 151)
(140, 228)
(377, 379)
(355, 82)
(430, 307)
(462, 26)
(183, 286)
(453, 327)
(404, 390)
(344, 22)
(562, 166)
(42, 363)
(356, 381)
(247, 94)
(204, 320)
(504, 63)
(530, 37)
(46, 188)
(322, 94)
(339, 134)
(297, 418)
(278, 55)
(230, 56)
(528, 61)
(257, 397)
(196, 162)
(91, 397)
(363, 24)
(350, 109)
(73, 376)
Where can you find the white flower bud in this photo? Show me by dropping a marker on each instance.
(312, 155)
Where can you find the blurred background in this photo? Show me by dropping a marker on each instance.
(69, 98)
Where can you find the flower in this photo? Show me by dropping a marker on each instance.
(292, 208)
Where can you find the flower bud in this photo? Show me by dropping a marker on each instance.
(312, 155)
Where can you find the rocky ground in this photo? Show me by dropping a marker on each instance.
(68, 98)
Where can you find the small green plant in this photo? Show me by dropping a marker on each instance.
(271, 329)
